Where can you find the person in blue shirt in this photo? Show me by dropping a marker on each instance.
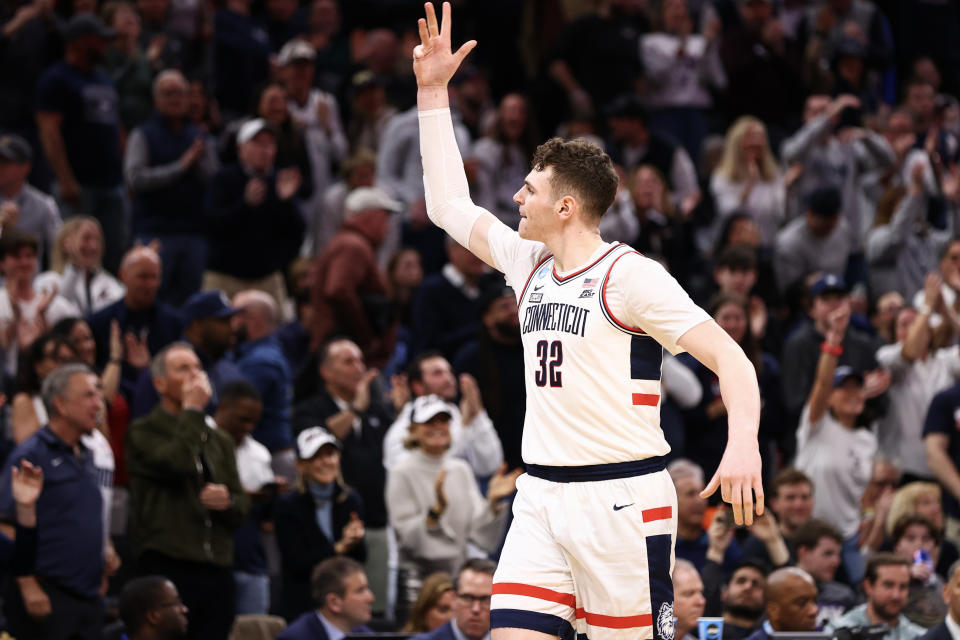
(19, 554)
(344, 602)
(61, 598)
(471, 610)
(259, 356)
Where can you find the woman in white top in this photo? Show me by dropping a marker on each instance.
(748, 179)
(681, 68)
(831, 449)
(435, 505)
(75, 269)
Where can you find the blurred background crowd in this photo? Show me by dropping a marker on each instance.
(229, 328)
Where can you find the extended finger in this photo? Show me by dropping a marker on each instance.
(747, 504)
(465, 49)
(446, 24)
(711, 487)
(758, 492)
(432, 26)
(736, 501)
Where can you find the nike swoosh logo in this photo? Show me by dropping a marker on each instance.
(538, 288)
(617, 507)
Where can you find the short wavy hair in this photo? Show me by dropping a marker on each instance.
(580, 169)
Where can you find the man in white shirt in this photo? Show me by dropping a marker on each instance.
(472, 434)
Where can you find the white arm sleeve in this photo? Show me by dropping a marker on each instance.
(444, 180)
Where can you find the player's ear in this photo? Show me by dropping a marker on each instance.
(566, 206)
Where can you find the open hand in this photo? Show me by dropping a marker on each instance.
(502, 484)
(434, 61)
(738, 478)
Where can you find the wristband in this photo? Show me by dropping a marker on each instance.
(832, 349)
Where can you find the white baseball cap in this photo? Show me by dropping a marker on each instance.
(310, 440)
(296, 50)
(366, 198)
(251, 128)
(425, 408)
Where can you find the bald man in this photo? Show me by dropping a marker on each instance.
(950, 627)
(791, 596)
(259, 356)
(167, 165)
(146, 324)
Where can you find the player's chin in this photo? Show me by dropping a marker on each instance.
(523, 230)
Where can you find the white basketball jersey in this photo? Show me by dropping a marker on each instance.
(593, 383)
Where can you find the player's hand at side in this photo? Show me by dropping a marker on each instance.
(738, 478)
(434, 61)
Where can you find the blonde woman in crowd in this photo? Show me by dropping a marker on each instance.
(76, 270)
(748, 179)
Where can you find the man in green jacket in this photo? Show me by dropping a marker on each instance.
(186, 496)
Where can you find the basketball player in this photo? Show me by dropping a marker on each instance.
(590, 550)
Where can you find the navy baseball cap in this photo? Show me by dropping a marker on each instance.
(844, 373)
(208, 304)
(829, 283)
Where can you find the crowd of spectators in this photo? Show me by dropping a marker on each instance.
(236, 348)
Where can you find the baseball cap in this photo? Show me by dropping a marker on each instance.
(425, 408)
(310, 440)
(13, 148)
(87, 24)
(296, 50)
(364, 79)
(364, 198)
(829, 283)
(251, 128)
(627, 106)
(208, 304)
(844, 373)
(824, 201)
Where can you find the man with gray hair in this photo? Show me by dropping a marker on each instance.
(62, 597)
(186, 496)
(260, 358)
(692, 540)
(167, 165)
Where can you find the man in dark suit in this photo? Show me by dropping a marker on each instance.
(950, 627)
(344, 598)
(791, 596)
(471, 609)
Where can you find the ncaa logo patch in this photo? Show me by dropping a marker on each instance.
(666, 623)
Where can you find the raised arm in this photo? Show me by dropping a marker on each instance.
(444, 180)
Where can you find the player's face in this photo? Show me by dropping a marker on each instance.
(537, 205)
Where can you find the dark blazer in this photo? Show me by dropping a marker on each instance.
(444, 632)
(939, 632)
(309, 627)
(303, 545)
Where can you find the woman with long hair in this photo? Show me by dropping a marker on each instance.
(434, 605)
(748, 179)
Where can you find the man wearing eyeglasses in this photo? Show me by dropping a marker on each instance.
(471, 609)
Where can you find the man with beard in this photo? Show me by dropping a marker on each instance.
(79, 125)
(495, 360)
(743, 600)
(207, 316)
(791, 597)
(472, 434)
(886, 585)
(259, 356)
